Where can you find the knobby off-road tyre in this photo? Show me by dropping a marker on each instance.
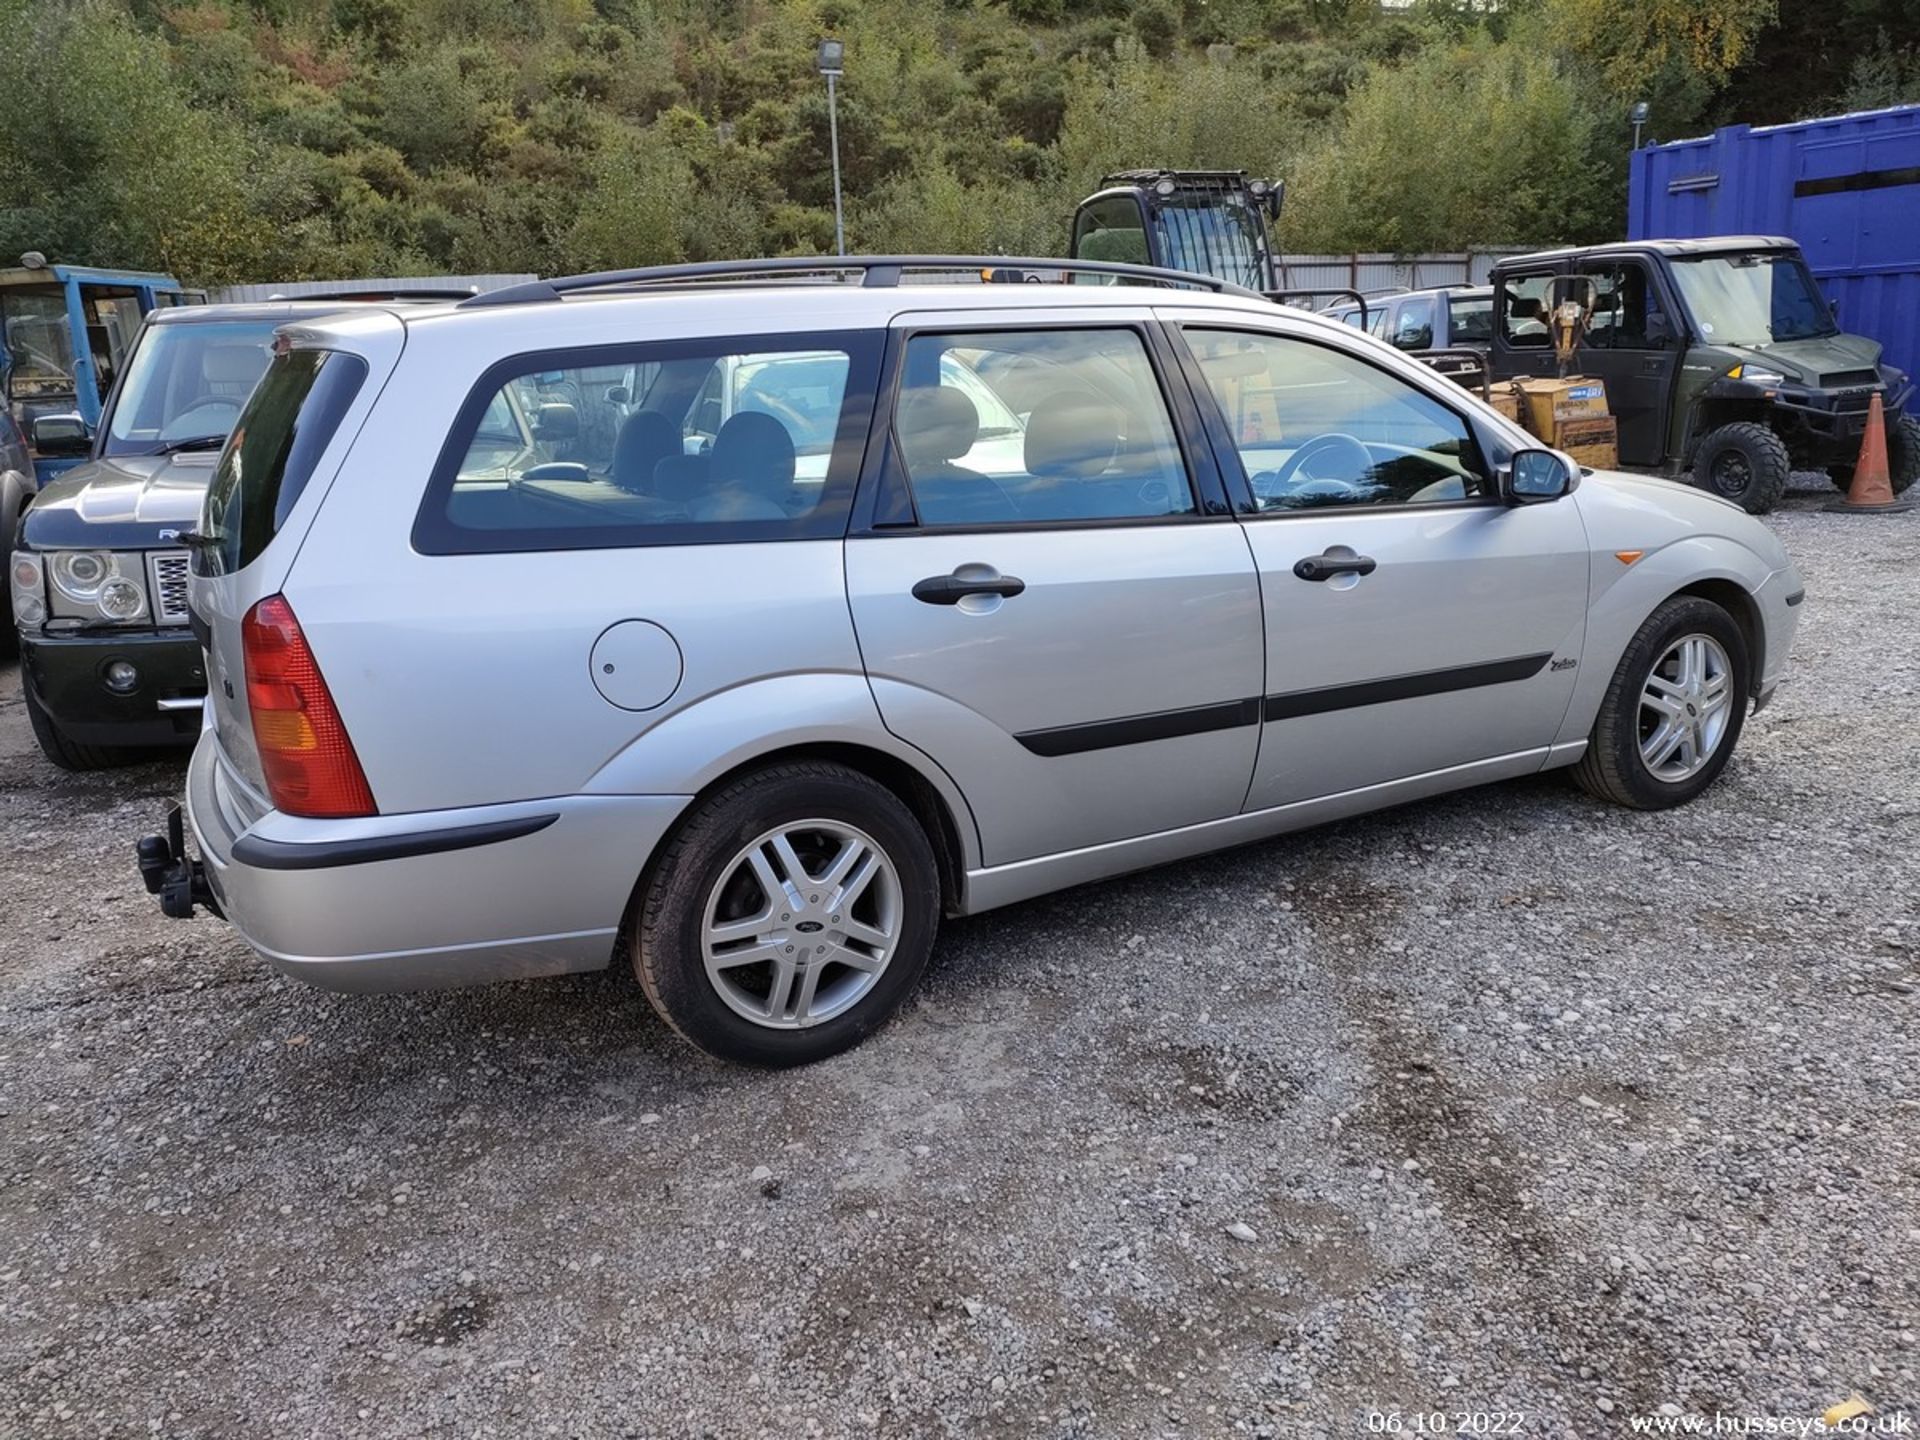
(764, 939)
(1903, 457)
(1652, 687)
(1744, 462)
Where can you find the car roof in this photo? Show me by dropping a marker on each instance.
(614, 316)
(281, 310)
(1701, 245)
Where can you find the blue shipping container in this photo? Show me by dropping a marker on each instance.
(1846, 188)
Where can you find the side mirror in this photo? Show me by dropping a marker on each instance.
(61, 435)
(1534, 476)
(618, 395)
(556, 422)
(1833, 306)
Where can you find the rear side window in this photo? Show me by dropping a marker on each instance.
(1471, 319)
(755, 438)
(276, 442)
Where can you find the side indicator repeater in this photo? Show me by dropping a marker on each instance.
(1627, 557)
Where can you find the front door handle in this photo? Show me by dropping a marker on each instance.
(1325, 567)
(952, 589)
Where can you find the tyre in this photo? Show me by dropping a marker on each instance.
(789, 916)
(1673, 710)
(1744, 462)
(1903, 457)
(65, 753)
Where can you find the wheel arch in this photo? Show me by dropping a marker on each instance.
(1737, 601)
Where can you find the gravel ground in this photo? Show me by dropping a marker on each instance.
(1505, 1102)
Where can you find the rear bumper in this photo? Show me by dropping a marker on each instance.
(68, 675)
(422, 901)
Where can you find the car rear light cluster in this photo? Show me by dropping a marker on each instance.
(306, 757)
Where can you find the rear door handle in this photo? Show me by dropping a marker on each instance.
(1325, 567)
(952, 589)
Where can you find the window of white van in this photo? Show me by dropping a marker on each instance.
(679, 443)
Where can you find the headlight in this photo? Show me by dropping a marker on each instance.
(1753, 375)
(96, 586)
(28, 583)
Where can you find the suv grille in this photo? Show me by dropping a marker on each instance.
(167, 572)
(1841, 379)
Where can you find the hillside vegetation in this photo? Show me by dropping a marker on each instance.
(230, 140)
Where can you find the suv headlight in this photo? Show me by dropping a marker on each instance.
(1754, 375)
(27, 581)
(96, 586)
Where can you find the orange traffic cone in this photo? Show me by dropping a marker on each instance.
(1872, 488)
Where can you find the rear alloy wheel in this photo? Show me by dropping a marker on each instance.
(1673, 710)
(1744, 462)
(790, 916)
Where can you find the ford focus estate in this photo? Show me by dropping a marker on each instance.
(749, 629)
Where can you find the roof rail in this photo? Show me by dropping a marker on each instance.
(874, 270)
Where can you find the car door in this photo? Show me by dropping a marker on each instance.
(1051, 597)
(1630, 343)
(1414, 622)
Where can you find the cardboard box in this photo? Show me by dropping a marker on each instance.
(1506, 399)
(1549, 402)
(1593, 441)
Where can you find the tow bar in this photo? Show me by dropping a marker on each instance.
(175, 876)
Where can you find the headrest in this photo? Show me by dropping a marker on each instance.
(936, 424)
(678, 478)
(755, 452)
(646, 438)
(1072, 435)
(1526, 307)
(233, 364)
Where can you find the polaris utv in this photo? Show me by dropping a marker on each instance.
(1720, 356)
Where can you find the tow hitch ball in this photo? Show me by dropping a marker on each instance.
(175, 876)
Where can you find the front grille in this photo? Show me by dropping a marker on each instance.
(167, 572)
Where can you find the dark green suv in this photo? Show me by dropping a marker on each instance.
(1720, 356)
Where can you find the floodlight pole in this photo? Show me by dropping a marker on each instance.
(829, 59)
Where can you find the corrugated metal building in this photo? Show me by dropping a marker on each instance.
(1847, 188)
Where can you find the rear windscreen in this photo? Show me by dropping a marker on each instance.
(271, 454)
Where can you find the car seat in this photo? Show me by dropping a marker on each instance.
(751, 466)
(646, 438)
(1072, 439)
(936, 425)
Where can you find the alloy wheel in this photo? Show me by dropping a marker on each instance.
(1685, 706)
(802, 924)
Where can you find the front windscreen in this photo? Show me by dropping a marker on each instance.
(1210, 235)
(39, 342)
(1754, 299)
(185, 385)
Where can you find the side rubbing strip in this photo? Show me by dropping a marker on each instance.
(1402, 687)
(1138, 729)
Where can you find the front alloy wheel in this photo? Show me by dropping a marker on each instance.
(1673, 709)
(1684, 708)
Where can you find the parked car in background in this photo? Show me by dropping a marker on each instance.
(1091, 578)
(1449, 317)
(99, 563)
(65, 331)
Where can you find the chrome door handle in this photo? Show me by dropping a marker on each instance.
(952, 589)
(1325, 567)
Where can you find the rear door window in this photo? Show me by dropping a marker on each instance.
(684, 442)
(270, 456)
(1036, 427)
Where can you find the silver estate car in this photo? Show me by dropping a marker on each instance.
(747, 630)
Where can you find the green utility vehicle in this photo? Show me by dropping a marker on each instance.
(1720, 356)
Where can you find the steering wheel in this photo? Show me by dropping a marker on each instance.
(1321, 446)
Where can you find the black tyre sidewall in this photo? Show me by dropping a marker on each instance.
(1903, 452)
(1618, 727)
(667, 950)
(56, 747)
(1768, 467)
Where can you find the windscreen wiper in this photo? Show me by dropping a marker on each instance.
(192, 442)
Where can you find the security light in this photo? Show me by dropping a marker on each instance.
(830, 58)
